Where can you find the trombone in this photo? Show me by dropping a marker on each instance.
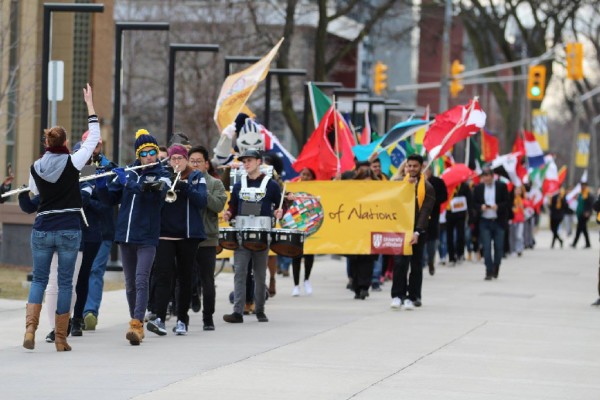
(86, 178)
(171, 195)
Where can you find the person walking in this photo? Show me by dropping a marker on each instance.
(491, 203)
(406, 288)
(141, 194)
(306, 174)
(55, 177)
(558, 206)
(583, 213)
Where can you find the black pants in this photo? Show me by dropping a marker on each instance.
(361, 270)
(309, 259)
(174, 258)
(90, 249)
(405, 284)
(582, 228)
(554, 224)
(206, 258)
(455, 252)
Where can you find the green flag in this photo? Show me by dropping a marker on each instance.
(319, 102)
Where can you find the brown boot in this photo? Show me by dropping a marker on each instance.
(135, 334)
(272, 291)
(32, 319)
(60, 332)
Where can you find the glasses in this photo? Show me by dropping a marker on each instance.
(196, 162)
(152, 152)
(176, 158)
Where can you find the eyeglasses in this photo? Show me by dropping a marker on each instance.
(152, 152)
(176, 158)
(196, 162)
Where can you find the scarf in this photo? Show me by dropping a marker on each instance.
(58, 150)
(420, 189)
(518, 204)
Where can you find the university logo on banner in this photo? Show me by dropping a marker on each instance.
(387, 243)
(582, 158)
(539, 123)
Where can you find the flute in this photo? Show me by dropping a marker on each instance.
(85, 178)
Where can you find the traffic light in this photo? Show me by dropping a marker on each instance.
(536, 84)
(456, 85)
(575, 61)
(379, 78)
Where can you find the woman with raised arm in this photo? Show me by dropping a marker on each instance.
(55, 177)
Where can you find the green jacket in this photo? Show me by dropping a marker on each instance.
(210, 214)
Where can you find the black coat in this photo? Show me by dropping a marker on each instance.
(441, 195)
(502, 201)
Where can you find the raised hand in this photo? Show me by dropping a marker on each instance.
(89, 101)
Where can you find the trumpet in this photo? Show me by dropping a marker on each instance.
(85, 178)
(171, 195)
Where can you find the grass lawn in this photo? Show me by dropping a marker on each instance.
(12, 279)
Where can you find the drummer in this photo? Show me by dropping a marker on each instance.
(256, 195)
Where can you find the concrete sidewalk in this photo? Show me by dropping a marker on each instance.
(528, 335)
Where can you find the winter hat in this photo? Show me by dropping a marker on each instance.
(144, 139)
(85, 136)
(179, 150)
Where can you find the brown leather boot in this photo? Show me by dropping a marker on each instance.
(135, 334)
(60, 332)
(32, 319)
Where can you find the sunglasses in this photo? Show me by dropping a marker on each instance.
(152, 152)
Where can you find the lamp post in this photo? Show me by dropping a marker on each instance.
(116, 117)
(238, 60)
(173, 49)
(320, 85)
(349, 92)
(387, 111)
(277, 71)
(370, 101)
(49, 8)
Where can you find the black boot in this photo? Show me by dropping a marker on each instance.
(77, 327)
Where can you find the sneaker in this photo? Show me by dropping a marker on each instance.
(149, 316)
(76, 327)
(408, 304)
(180, 328)
(417, 303)
(89, 322)
(376, 287)
(596, 303)
(296, 291)
(396, 303)
(50, 336)
(261, 317)
(307, 288)
(233, 318)
(157, 326)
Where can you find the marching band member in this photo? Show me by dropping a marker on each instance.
(141, 194)
(206, 254)
(255, 195)
(181, 230)
(55, 177)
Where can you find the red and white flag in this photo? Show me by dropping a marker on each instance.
(453, 126)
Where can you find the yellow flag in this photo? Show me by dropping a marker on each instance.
(238, 87)
(539, 124)
(582, 158)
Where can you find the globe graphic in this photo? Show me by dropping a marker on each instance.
(305, 214)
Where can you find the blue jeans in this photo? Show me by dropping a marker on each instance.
(96, 282)
(43, 246)
(443, 244)
(491, 230)
(377, 271)
(284, 263)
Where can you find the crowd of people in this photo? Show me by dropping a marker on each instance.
(167, 229)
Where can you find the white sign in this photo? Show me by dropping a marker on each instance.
(56, 80)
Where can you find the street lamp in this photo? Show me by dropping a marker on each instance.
(277, 71)
(387, 111)
(119, 28)
(348, 92)
(369, 100)
(49, 8)
(238, 60)
(173, 49)
(320, 85)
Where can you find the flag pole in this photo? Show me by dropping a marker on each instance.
(337, 142)
(467, 151)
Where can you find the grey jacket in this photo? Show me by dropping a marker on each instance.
(210, 214)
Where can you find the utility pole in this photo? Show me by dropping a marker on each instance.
(445, 57)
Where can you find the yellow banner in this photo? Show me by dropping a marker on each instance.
(582, 157)
(353, 217)
(238, 87)
(539, 124)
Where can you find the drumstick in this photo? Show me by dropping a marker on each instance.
(282, 196)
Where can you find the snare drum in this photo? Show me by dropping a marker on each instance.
(254, 239)
(228, 238)
(287, 242)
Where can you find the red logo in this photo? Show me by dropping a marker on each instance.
(387, 243)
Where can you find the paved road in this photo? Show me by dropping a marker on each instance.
(529, 335)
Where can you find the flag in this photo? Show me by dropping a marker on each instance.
(506, 165)
(489, 146)
(238, 87)
(319, 102)
(533, 151)
(562, 175)
(453, 126)
(572, 196)
(551, 184)
(323, 153)
(390, 158)
(474, 160)
(582, 157)
(401, 131)
(455, 175)
(539, 124)
(273, 144)
(365, 137)
(398, 153)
